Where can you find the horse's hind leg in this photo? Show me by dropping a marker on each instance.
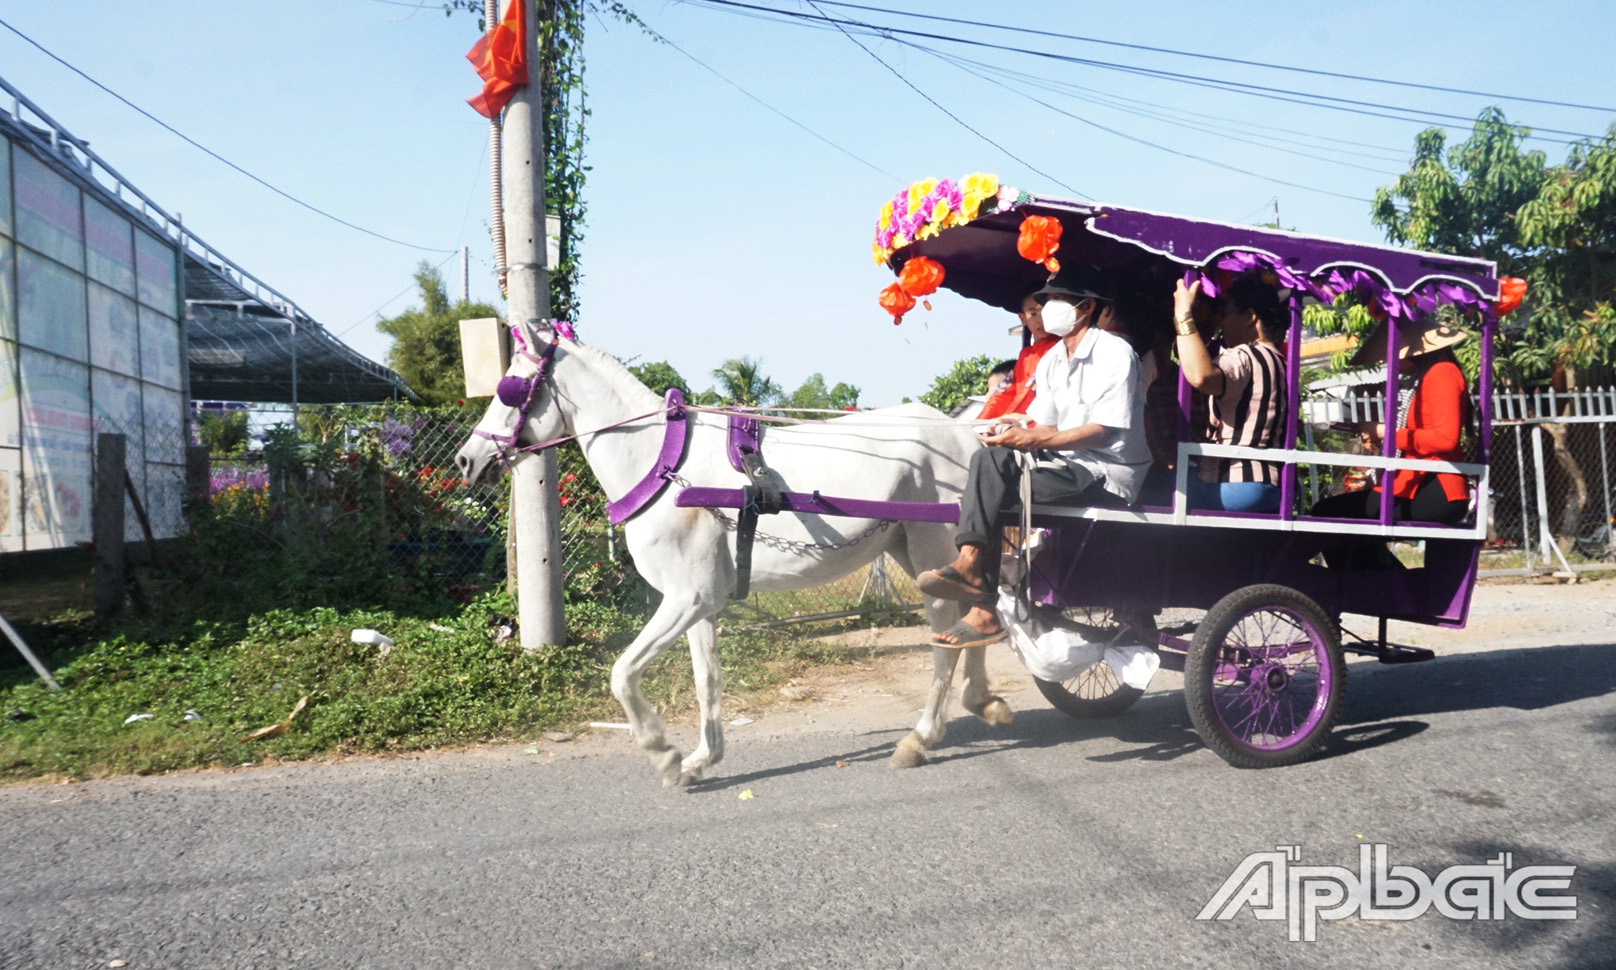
(975, 696)
(709, 693)
(672, 618)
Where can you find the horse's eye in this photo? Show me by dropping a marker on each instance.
(512, 391)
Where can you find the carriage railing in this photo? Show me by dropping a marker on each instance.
(1286, 520)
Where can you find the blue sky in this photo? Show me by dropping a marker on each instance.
(716, 228)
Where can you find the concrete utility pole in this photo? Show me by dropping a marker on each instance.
(533, 489)
(465, 274)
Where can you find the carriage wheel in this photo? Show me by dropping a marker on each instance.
(1264, 677)
(1095, 691)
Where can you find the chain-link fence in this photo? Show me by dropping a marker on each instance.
(1554, 491)
(1552, 473)
(1553, 479)
(441, 530)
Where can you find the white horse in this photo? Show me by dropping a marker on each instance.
(907, 453)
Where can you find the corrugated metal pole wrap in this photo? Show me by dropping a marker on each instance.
(496, 189)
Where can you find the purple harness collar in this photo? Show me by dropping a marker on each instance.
(675, 434)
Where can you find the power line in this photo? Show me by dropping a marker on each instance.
(210, 152)
(1375, 153)
(957, 119)
(1331, 102)
(705, 66)
(393, 298)
(1159, 147)
(1152, 116)
(1317, 72)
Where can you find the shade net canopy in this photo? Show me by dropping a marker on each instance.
(1150, 249)
(244, 349)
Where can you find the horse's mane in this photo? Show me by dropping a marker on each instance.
(614, 372)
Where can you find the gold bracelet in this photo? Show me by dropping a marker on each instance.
(1185, 326)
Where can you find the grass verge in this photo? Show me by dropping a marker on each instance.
(447, 681)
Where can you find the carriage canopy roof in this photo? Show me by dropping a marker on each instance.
(976, 244)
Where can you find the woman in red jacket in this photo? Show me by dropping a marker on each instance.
(1433, 409)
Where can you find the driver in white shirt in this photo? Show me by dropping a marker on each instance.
(1085, 430)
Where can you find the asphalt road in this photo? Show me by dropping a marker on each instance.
(1051, 843)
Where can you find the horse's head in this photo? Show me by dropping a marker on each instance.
(523, 412)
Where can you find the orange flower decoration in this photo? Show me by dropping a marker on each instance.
(920, 277)
(1039, 239)
(1511, 291)
(896, 302)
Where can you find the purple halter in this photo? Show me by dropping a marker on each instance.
(519, 393)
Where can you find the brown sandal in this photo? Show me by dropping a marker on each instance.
(948, 584)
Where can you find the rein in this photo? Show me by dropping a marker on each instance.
(520, 393)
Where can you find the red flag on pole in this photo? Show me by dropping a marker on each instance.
(500, 57)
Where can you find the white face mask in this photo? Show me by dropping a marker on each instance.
(1060, 318)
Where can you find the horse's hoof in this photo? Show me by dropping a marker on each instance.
(668, 766)
(910, 752)
(996, 712)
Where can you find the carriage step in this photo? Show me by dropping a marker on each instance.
(1394, 653)
(1391, 653)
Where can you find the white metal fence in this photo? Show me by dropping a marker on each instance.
(1552, 474)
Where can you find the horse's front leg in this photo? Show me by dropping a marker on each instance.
(709, 694)
(975, 696)
(911, 751)
(672, 618)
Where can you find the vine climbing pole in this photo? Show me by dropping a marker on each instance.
(535, 503)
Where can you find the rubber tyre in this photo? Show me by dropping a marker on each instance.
(1096, 691)
(1213, 691)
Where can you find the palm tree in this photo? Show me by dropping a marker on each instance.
(742, 383)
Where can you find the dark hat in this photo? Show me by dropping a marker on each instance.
(1079, 281)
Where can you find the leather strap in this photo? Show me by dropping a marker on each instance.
(745, 438)
(675, 434)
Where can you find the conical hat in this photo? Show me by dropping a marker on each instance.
(1431, 336)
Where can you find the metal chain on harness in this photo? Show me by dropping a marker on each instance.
(792, 545)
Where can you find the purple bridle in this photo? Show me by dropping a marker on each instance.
(519, 393)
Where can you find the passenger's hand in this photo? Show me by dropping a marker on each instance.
(1184, 297)
(1019, 438)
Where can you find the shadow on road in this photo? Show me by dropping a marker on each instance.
(1383, 706)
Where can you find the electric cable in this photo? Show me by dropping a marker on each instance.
(1317, 72)
(210, 152)
(705, 66)
(1176, 122)
(392, 299)
(1159, 147)
(1242, 125)
(957, 119)
(1350, 105)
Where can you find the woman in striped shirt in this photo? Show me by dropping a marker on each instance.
(1246, 382)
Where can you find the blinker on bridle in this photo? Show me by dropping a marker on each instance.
(519, 393)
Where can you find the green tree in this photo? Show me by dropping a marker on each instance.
(741, 382)
(814, 394)
(659, 375)
(1572, 224)
(1554, 226)
(426, 340)
(965, 378)
(224, 432)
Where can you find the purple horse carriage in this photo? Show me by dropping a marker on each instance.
(1264, 668)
